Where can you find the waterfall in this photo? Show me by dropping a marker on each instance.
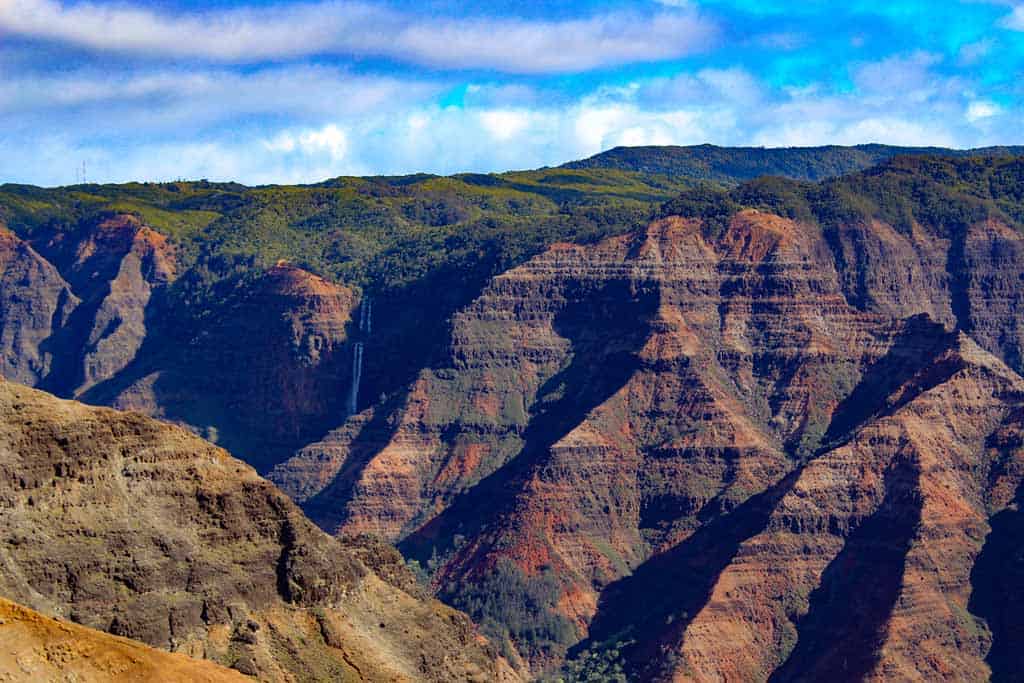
(366, 316)
(365, 325)
(357, 372)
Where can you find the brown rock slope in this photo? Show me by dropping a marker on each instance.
(607, 410)
(678, 369)
(35, 303)
(113, 267)
(35, 647)
(85, 314)
(266, 372)
(73, 308)
(858, 566)
(139, 528)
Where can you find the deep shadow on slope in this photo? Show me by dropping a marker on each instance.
(606, 329)
(919, 342)
(838, 639)
(200, 370)
(199, 336)
(998, 595)
(328, 507)
(665, 593)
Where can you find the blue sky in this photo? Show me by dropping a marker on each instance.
(273, 91)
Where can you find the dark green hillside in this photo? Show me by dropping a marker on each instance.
(731, 165)
(945, 194)
(379, 232)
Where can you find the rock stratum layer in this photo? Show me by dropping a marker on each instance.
(138, 528)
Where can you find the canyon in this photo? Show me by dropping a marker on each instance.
(764, 430)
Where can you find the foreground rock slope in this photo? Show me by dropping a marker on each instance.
(138, 528)
(35, 647)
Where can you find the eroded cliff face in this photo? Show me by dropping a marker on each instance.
(74, 307)
(113, 267)
(703, 437)
(85, 314)
(857, 566)
(139, 528)
(624, 389)
(35, 303)
(651, 406)
(265, 372)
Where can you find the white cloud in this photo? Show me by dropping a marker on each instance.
(253, 34)
(1015, 19)
(330, 140)
(167, 100)
(706, 87)
(892, 130)
(971, 53)
(331, 132)
(979, 110)
(904, 73)
(504, 124)
(737, 85)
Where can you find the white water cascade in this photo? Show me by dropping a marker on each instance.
(365, 325)
(357, 372)
(366, 316)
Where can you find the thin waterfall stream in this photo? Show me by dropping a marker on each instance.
(365, 326)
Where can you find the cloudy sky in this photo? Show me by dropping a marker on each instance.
(275, 91)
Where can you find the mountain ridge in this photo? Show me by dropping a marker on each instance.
(734, 165)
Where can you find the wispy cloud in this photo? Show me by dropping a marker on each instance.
(164, 100)
(254, 34)
(899, 73)
(972, 53)
(1015, 19)
(981, 110)
(300, 90)
(499, 129)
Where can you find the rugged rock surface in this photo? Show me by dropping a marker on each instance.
(139, 528)
(858, 565)
(113, 267)
(268, 371)
(78, 316)
(699, 438)
(35, 647)
(36, 303)
(610, 409)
